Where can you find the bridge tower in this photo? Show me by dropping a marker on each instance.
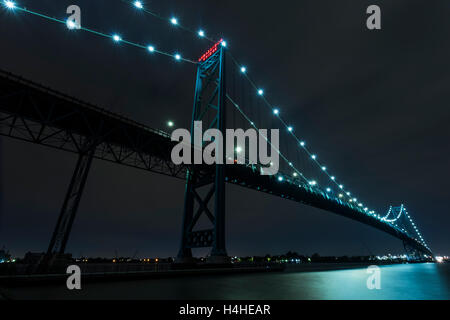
(209, 107)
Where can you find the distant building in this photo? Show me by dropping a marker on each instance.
(4, 256)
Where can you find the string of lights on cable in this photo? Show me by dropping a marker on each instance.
(301, 143)
(280, 177)
(402, 211)
(174, 21)
(298, 173)
(117, 38)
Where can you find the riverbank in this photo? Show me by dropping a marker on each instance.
(401, 281)
(111, 273)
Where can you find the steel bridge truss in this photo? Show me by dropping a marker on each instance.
(28, 112)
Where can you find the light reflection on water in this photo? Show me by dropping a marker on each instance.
(414, 281)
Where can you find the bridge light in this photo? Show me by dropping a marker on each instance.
(10, 4)
(224, 43)
(341, 186)
(333, 178)
(354, 199)
(260, 92)
(324, 168)
(170, 124)
(328, 190)
(314, 157)
(302, 143)
(71, 25)
(360, 204)
(177, 57)
(117, 38)
(341, 195)
(138, 4)
(151, 48)
(290, 129)
(295, 174)
(201, 33)
(348, 193)
(313, 183)
(243, 69)
(174, 21)
(276, 111)
(280, 178)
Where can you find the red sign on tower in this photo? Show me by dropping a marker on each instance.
(211, 51)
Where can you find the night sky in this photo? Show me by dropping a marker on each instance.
(374, 104)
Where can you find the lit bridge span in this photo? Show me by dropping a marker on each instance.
(36, 114)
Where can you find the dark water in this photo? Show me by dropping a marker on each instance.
(416, 281)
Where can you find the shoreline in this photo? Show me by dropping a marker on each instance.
(49, 279)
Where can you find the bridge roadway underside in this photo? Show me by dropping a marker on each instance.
(37, 114)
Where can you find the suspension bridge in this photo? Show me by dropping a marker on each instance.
(225, 97)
